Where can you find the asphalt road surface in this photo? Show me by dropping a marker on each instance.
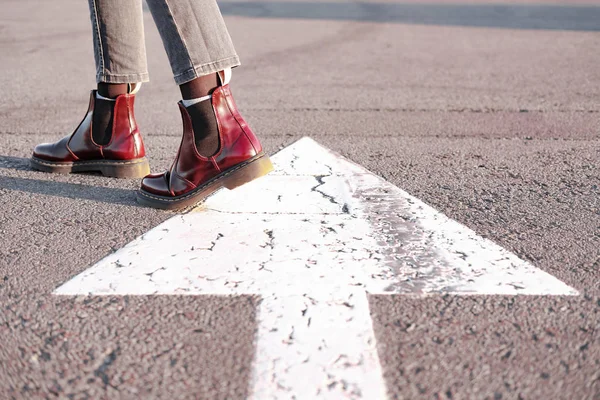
(487, 110)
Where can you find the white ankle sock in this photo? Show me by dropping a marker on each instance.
(132, 88)
(191, 102)
(99, 96)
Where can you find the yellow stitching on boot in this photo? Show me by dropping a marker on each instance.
(199, 188)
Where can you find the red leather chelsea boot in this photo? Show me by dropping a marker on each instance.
(122, 157)
(193, 177)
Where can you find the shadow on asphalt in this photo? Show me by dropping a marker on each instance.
(507, 16)
(17, 163)
(61, 189)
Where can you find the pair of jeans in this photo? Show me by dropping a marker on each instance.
(193, 32)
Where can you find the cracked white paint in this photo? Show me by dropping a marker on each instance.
(312, 239)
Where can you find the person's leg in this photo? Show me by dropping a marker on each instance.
(198, 46)
(107, 140)
(104, 110)
(194, 36)
(120, 55)
(218, 148)
(118, 36)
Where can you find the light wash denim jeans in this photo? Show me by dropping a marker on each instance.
(193, 34)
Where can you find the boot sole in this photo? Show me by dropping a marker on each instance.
(137, 168)
(258, 166)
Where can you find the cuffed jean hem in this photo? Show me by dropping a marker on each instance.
(206, 69)
(115, 78)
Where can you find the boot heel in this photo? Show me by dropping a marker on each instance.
(248, 173)
(138, 169)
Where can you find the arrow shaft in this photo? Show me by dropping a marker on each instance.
(317, 347)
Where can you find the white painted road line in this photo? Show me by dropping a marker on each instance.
(312, 239)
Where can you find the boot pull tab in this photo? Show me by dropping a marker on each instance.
(133, 88)
(224, 76)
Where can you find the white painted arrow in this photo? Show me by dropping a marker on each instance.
(312, 239)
